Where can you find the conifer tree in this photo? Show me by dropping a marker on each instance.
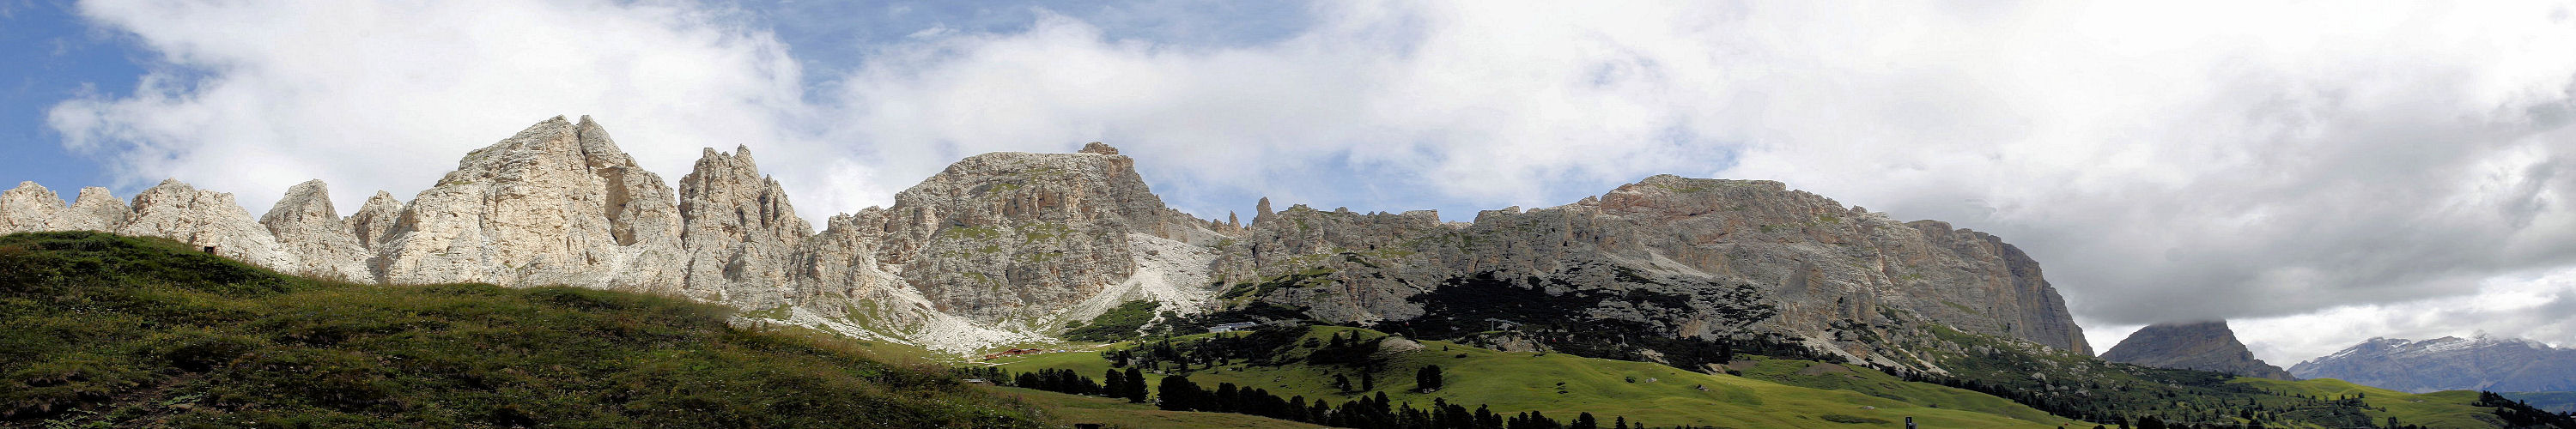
(1179, 394)
(1114, 383)
(1135, 392)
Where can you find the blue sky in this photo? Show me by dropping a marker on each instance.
(2319, 173)
(58, 57)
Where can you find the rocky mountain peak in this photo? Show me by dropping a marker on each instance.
(738, 228)
(726, 198)
(2206, 346)
(1098, 148)
(374, 222)
(1055, 228)
(305, 202)
(28, 207)
(556, 203)
(95, 210)
(306, 226)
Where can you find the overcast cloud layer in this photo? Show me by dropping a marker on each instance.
(2322, 172)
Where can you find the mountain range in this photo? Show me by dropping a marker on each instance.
(1010, 247)
(2449, 363)
(1738, 285)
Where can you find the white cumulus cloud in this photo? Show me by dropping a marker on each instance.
(252, 97)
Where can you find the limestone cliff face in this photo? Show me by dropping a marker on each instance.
(1689, 258)
(2206, 346)
(375, 221)
(308, 229)
(555, 204)
(739, 231)
(1018, 236)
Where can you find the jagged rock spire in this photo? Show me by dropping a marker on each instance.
(738, 229)
(375, 221)
(307, 227)
(95, 210)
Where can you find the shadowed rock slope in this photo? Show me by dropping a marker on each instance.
(2206, 346)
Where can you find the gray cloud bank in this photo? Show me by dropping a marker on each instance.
(2262, 161)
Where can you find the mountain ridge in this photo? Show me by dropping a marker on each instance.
(1008, 247)
(2448, 363)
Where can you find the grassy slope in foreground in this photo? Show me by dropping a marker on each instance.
(1511, 382)
(2447, 409)
(103, 330)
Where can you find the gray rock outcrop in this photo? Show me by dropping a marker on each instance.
(2206, 346)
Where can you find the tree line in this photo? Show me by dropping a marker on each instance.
(1176, 392)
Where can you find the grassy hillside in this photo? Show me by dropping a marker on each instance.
(98, 330)
(2449, 409)
(1563, 385)
(1822, 375)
